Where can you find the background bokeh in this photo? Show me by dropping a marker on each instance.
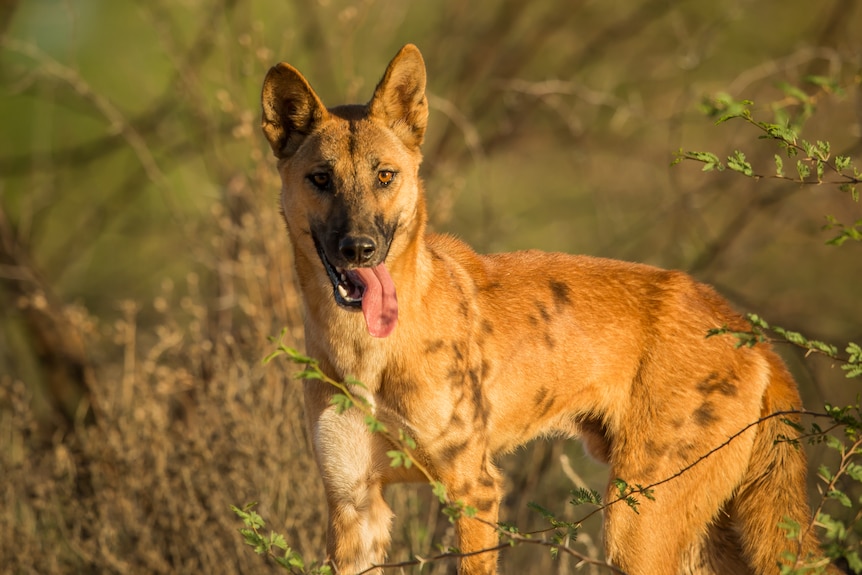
(144, 266)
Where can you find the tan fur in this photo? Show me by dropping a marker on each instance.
(491, 351)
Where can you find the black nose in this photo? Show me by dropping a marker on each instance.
(357, 249)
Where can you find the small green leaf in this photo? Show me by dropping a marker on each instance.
(310, 373)
(854, 470)
(406, 439)
(277, 540)
(850, 189)
(779, 166)
(795, 337)
(790, 423)
(252, 539)
(780, 132)
(839, 496)
(621, 485)
(507, 527)
(717, 331)
(710, 160)
(341, 402)
(374, 424)
(834, 443)
(723, 106)
(581, 495)
(803, 170)
(399, 459)
(841, 162)
(543, 511)
(824, 347)
(823, 150)
(737, 163)
(351, 381)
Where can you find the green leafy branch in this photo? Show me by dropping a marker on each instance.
(510, 536)
(837, 534)
(760, 333)
(845, 232)
(274, 546)
(815, 162)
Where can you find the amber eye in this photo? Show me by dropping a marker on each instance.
(320, 180)
(385, 177)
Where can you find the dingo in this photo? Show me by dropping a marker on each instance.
(474, 355)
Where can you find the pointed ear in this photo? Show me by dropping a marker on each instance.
(291, 109)
(399, 98)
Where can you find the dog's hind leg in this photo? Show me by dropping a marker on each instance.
(657, 534)
(774, 488)
(717, 552)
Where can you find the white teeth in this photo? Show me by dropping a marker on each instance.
(342, 291)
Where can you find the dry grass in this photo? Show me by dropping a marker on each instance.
(187, 422)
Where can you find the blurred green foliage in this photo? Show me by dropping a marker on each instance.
(136, 190)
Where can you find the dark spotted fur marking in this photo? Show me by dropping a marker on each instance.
(685, 451)
(434, 346)
(716, 384)
(705, 414)
(561, 294)
(654, 449)
(453, 450)
(543, 311)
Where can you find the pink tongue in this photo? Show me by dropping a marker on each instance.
(379, 305)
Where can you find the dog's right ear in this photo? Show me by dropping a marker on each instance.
(291, 109)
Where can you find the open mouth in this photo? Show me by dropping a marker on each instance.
(369, 289)
(348, 288)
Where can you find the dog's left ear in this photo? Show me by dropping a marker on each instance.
(399, 98)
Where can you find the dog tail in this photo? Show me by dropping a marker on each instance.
(774, 489)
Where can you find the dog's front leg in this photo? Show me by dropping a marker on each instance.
(358, 532)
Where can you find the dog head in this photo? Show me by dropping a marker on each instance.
(351, 194)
